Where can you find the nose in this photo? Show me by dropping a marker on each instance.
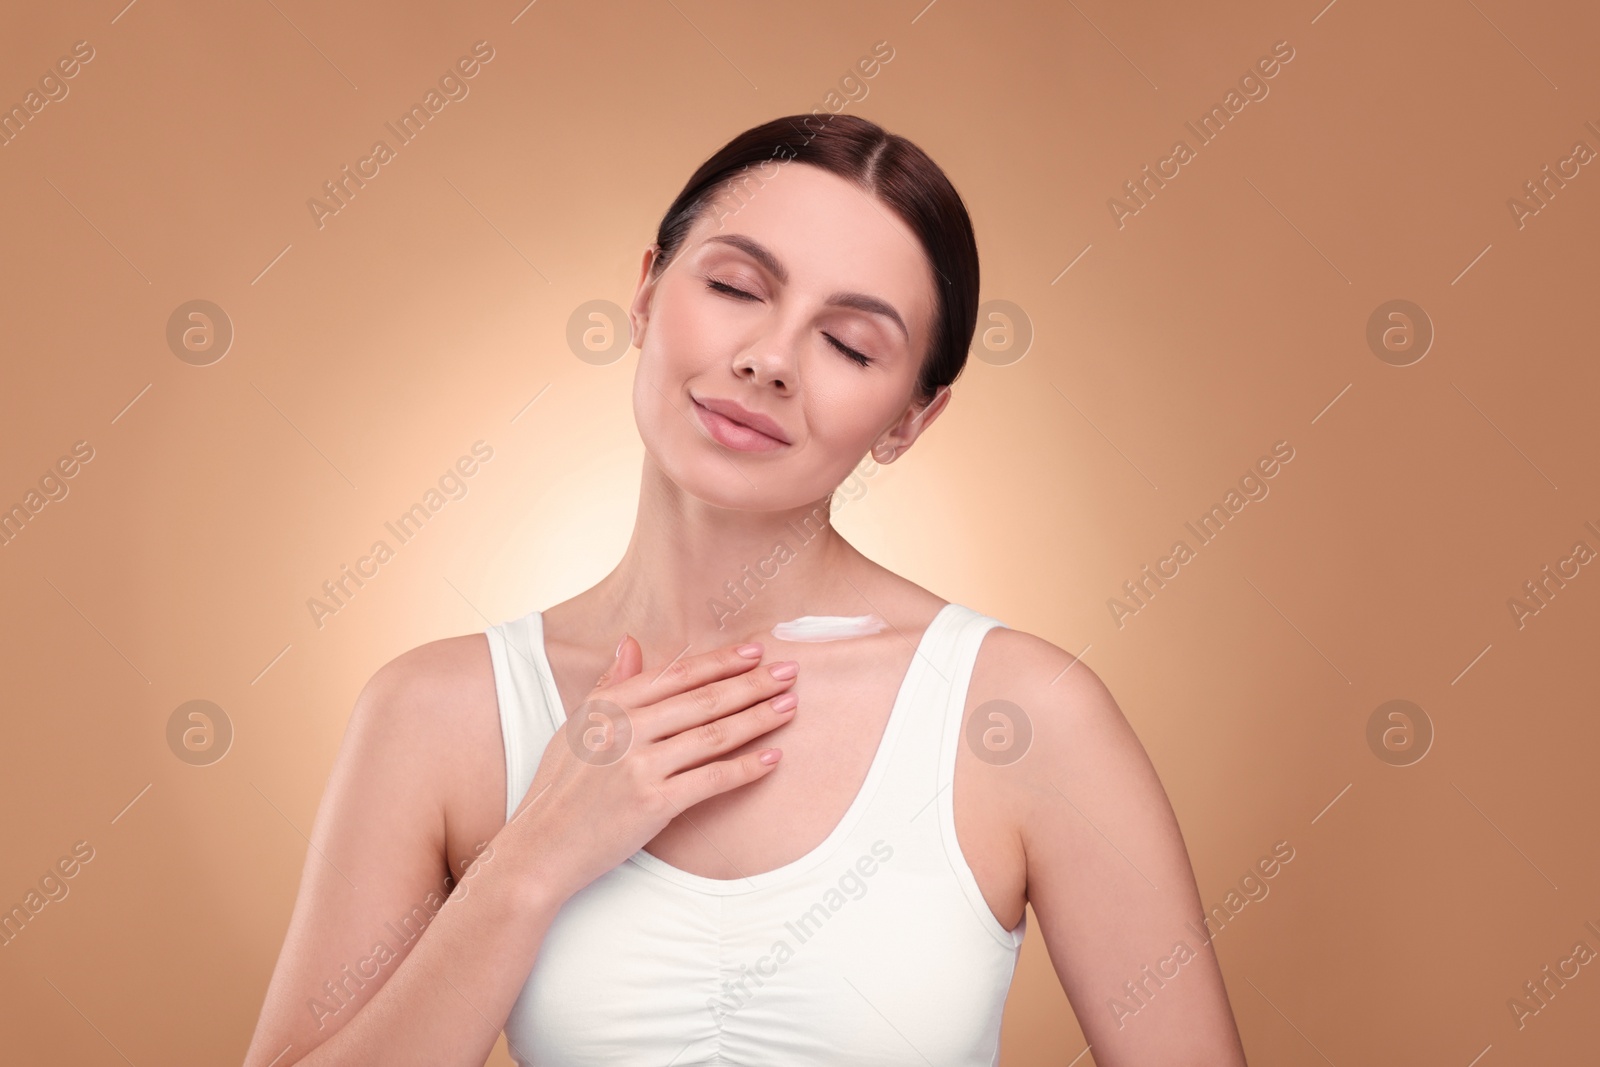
(770, 362)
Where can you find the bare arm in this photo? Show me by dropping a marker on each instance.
(378, 966)
(382, 953)
(1110, 880)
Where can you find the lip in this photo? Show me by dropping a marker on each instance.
(738, 427)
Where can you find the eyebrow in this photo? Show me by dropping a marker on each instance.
(764, 256)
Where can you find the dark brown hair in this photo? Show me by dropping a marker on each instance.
(883, 164)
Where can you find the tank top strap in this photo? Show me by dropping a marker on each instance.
(914, 808)
(526, 693)
(922, 767)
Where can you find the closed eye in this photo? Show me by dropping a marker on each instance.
(724, 287)
(740, 294)
(847, 350)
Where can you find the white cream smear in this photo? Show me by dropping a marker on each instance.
(828, 627)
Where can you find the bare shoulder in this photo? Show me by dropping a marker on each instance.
(434, 709)
(431, 692)
(1062, 712)
(1034, 674)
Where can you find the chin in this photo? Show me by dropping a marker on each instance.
(725, 478)
(721, 480)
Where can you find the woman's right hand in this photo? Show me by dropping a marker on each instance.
(641, 749)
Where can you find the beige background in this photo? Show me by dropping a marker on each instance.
(1228, 314)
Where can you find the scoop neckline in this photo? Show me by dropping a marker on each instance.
(829, 844)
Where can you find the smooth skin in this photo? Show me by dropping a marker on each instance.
(1079, 827)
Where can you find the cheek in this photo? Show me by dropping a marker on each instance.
(843, 413)
(687, 335)
(661, 406)
(659, 377)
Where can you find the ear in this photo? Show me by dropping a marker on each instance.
(639, 310)
(910, 426)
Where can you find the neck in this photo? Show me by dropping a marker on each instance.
(701, 576)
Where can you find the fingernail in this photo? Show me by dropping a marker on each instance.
(786, 669)
(785, 703)
(771, 755)
(618, 652)
(750, 651)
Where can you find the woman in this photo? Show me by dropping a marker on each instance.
(644, 880)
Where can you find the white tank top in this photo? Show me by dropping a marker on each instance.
(876, 947)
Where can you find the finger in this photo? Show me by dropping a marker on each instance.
(686, 790)
(624, 665)
(654, 684)
(710, 702)
(697, 744)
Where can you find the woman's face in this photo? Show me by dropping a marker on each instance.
(826, 268)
